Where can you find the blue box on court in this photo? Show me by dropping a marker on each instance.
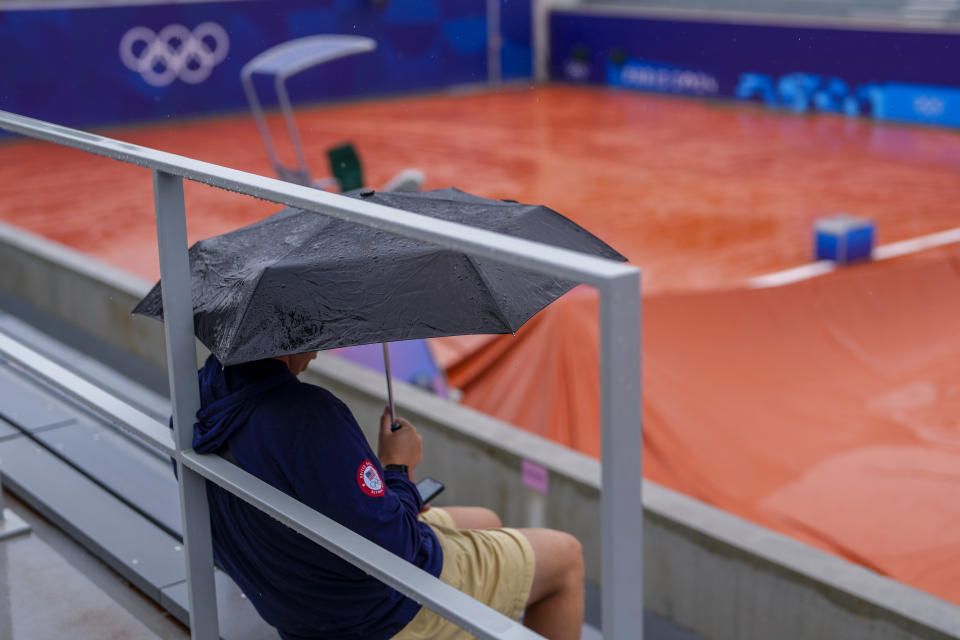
(843, 238)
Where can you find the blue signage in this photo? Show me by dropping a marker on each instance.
(921, 103)
(889, 75)
(111, 64)
(804, 92)
(663, 78)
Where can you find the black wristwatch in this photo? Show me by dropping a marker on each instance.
(398, 467)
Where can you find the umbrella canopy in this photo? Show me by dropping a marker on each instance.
(301, 281)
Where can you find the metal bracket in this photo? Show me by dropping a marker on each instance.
(12, 525)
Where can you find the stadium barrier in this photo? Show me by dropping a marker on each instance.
(706, 570)
(792, 64)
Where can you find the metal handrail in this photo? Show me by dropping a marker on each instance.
(619, 288)
(104, 404)
(329, 534)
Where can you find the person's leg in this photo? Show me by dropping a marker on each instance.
(473, 518)
(555, 606)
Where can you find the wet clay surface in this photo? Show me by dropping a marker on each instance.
(699, 195)
(826, 409)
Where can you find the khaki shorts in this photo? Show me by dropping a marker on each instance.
(495, 566)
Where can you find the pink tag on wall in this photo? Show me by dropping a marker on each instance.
(535, 477)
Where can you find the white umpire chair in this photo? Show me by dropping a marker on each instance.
(286, 60)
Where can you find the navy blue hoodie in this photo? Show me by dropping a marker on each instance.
(304, 441)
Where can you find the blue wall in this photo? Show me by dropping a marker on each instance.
(65, 65)
(905, 76)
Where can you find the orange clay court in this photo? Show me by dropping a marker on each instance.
(828, 409)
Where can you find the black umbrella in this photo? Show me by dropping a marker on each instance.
(301, 281)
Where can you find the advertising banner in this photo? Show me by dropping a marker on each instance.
(889, 75)
(93, 65)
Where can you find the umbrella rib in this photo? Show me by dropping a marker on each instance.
(243, 316)
(486, 285)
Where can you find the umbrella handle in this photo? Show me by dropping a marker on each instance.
(394, 423)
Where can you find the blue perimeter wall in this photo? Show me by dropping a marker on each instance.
(64, 65)
(892, 75)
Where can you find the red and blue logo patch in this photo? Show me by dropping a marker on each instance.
(369, 480)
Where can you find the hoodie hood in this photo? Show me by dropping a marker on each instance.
(229, 395)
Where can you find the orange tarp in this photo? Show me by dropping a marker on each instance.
(828, 409)
(784, 406)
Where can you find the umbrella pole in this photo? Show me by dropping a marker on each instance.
(394, 425)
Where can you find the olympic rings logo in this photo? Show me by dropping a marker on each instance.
(175, 52)
(929, 106)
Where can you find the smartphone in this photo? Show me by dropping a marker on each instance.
(429, 489)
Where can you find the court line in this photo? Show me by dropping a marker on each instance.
(887, 251)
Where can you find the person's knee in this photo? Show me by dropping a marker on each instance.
(490, 517)
(559, 563)
(573, 551)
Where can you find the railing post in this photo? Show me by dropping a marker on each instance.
(621, 499)
(185, 399)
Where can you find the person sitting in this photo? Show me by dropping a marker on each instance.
(303, 440)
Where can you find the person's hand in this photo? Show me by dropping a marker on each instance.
(403, 446)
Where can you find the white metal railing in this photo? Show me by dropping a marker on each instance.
(618, 285)
(335, 537)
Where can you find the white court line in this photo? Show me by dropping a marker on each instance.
(887, 251)
(917, 244)
(796, 274)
